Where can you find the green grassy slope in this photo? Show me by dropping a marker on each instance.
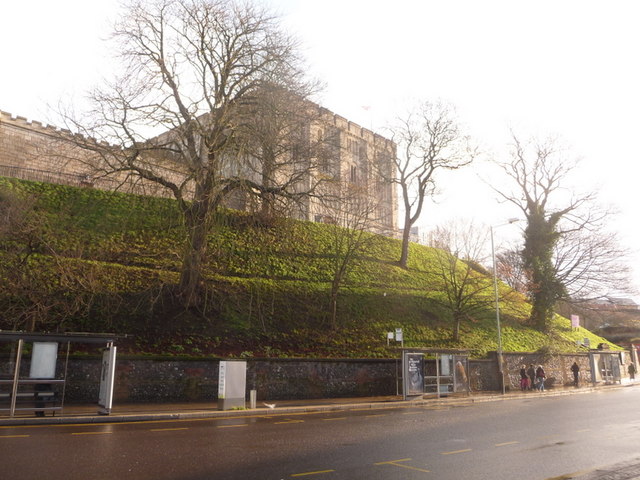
(102, 261)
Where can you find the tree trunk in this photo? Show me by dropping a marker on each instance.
(335, 288)
(456, 327)
(406, 233)
(194, 255)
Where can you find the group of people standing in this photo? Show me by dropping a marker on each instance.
(532, 377)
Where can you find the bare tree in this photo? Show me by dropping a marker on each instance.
(42, 289)
(510, 270)
(277, 133)
(352, 216)
(174, 117)
(429, 139)
(591, 264)
(465, 289)
(564, 250)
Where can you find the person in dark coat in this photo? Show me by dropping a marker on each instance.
(632, 371)
(575, 368)
(540, 376)
(524, 378)
(531, 372)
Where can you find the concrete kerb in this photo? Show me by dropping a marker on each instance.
(151, 416)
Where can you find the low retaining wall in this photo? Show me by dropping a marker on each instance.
(167, 380)
(148, 380)
(557, 368)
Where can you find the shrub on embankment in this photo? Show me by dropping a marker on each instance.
(74, 259)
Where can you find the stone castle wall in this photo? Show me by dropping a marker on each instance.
(32, 150)
(26, 152)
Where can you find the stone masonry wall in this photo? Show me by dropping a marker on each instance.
(145, 380)
(157, 381)
(142, 380)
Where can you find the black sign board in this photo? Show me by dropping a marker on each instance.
(414, 365)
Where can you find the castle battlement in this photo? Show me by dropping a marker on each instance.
(32, 149)
(40, 127)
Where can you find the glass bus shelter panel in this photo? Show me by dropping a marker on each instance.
(461, 378)
(605, 367)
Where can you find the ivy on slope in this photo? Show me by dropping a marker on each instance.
(114, 258)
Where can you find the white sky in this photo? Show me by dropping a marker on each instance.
(547, 67)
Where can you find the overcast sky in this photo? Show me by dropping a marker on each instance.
(565, 67)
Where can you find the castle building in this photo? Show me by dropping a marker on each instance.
(356, 158)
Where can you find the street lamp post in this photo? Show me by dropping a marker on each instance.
(495, 289)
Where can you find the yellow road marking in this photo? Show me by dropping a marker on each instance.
(568, 476)
(90, 433)
(583, 430)
(505, 443)
(396, 463)
(288, 421)
(232, 426)
(333, 419)
(14, 436)
(456, 451)
(412, 413)
(168, 429)
(393, 461)
(377, 415)
(319, 472)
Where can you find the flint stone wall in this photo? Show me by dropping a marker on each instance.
(146, 380)
(557, 368)
(156, 381)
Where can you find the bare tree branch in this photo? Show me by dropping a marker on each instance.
(430, 140)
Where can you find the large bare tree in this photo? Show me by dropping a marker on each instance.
(429, 139)
(176, 116)
(590, 263)
(464, 287)
(564, 250)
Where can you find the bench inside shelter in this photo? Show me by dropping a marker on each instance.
(31, 378)
(37, 395)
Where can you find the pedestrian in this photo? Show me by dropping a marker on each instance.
(632, 371)
(531, 373)
(524, 378)
(575, 368)
(540, 376)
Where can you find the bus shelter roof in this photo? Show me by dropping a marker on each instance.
(74, 337)
(446, 351)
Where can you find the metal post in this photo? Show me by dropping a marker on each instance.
(16, 379)
(64, 385)
(437, 375)
(495, 289)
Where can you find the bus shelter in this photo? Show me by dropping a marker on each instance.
(31, 378)
(434, 372)
(606, 366)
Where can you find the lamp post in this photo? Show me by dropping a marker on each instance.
(495, 289)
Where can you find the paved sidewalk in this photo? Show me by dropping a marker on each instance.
(167, 411)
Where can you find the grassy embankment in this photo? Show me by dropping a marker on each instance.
(103, 261)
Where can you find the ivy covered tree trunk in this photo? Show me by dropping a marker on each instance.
(540, 238)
